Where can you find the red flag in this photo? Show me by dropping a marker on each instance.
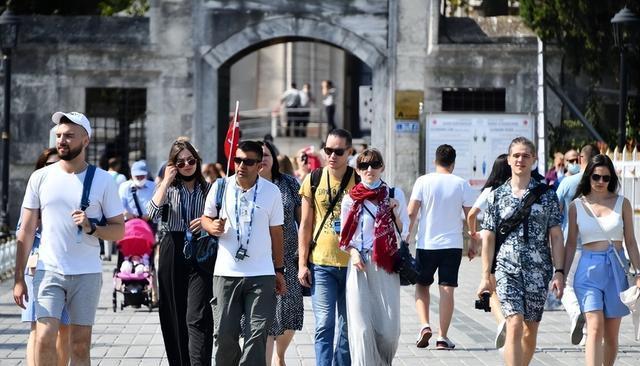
(231, 142)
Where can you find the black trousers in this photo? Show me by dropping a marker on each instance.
(330, 110)
(186, 318)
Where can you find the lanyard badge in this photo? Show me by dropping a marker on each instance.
(243, 214)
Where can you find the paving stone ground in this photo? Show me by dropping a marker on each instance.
(133, 337)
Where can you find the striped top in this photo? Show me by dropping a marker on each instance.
(193, 203)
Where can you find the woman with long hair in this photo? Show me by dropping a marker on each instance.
(500, 173)
(47, 157)
(186, 317)
(372, 220)
(289, 307)
(602, 219)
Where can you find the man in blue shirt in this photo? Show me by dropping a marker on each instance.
(137, 192)
(566, 191)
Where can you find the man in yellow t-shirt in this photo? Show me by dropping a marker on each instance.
(326, 269)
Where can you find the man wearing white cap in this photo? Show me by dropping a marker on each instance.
(137, 192)
(69, 270)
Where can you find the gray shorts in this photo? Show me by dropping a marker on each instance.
(80, 293)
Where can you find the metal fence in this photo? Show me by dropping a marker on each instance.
(292, 122)
(8, 246)
(627, 166)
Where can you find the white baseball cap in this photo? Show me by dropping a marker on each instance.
(75, 117)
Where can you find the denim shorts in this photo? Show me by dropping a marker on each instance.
(80, 293)
(596, 285)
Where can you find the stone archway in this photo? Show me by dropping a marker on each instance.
(214, 59)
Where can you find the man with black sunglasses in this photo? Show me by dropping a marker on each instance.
(439, 197)
(249, 269)
(322, 265)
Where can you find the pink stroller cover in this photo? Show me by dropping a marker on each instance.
(138, 238)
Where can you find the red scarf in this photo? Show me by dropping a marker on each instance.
(385, 244)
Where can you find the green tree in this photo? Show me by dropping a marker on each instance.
(582, 30)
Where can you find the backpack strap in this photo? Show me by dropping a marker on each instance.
(134, 193)
(86, 187)
(220, 194)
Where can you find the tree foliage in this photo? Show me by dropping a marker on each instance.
(81, 7)
(582, 30)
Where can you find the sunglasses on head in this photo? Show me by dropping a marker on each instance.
(182, 163)
(338, 152)
(597, 177)
(247, 162)
(373, 164)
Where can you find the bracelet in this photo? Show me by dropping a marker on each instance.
(93, 229)
(560, 270)
(279, 270)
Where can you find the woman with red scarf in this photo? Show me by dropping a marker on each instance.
(371, 237)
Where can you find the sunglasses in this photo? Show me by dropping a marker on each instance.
(338, 152)
(572, 161)
(49, 163)
(182, 163)
(598, 177)
(246, 162)
(372, 164)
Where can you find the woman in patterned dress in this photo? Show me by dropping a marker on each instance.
(289, 307)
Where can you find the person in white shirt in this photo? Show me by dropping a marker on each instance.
(249, 269)
(69, 270)
(500, 173)
(371, 217)
(440, 198)
(137, 192)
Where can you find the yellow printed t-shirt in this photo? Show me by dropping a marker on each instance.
(327, 251)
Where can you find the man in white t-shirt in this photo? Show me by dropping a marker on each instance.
(440, 198)
(69, 270)
(249, 269)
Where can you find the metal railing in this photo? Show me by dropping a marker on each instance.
(284, 122)
(8, 245)
(627, 166)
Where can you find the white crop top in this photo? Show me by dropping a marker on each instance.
(612, 224)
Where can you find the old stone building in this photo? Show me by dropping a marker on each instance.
(144, 81)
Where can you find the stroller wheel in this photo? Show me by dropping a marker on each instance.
(115, 304)
(122, 306)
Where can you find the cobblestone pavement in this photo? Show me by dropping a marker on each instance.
(133, 337)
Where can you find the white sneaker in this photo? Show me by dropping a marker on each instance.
(444, 343)
(501, 334)
(576, 329)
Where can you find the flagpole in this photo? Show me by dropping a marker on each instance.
(233, 135)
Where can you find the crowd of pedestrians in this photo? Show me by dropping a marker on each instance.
(329, 230)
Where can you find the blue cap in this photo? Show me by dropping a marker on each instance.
(139, 168)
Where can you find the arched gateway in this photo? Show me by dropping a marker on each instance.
(224, 36)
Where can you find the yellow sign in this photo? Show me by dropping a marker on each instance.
(408, 103)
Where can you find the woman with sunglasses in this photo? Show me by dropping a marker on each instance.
(372, 220)
(603, 220)
(185, 289)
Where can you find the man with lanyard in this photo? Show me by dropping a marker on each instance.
(566, 192)
(69, 271)
(249, 269)
(322, 265)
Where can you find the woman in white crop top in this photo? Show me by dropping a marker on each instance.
(603, 220)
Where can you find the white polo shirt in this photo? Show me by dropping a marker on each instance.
(57, 194)
(253, 220)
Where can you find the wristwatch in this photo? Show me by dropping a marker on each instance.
(279, 270)
(560, 270)
(93, 228)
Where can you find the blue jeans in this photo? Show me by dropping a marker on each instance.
(327, 291)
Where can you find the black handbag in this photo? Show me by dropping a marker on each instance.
(203, 249)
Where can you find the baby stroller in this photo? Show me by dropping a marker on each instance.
(134, 271)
